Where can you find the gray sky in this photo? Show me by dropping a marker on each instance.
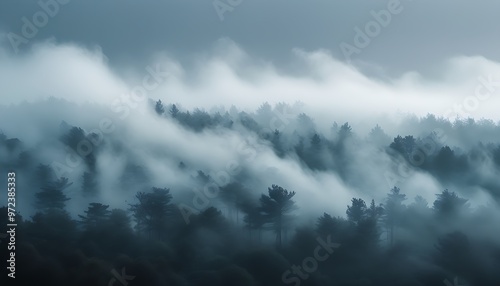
(407, 56)
(423, 34)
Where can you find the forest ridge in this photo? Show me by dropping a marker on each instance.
(237, 223)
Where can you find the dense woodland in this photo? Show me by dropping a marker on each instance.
(251, 235)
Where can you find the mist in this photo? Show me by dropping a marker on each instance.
(225, 129)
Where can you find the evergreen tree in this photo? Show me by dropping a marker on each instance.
(357, 211)
(253, 218)
(153, 212)
(52, 196)
(159, 108)
(393, 211)
(275, 207)
(449, 204)
(95, 215)
(174, 111)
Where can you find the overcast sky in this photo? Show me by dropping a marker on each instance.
(423, 34)
(419, 56)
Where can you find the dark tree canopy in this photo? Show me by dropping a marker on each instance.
(153, 211)
(275, 207)
(52, 196)
(356, 212)
(449, 204)
(159, 108)
(236, 235)
(95, 215)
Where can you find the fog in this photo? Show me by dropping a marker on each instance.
(328, 149)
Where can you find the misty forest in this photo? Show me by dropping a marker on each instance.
(168, 195)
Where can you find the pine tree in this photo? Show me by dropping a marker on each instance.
(159, 108)
(153, 211)
(52, 196)
(275, 207)
(95, 215)
(393, 211)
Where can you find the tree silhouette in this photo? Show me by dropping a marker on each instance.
(52, 196)
(305, 125)
(119, 219)
(253, 218)
(420, 206)
(275, 207)
(357, 211)
(45, 175)
(454, 252)
(446, 163)
(265, 114)
(449, 204)
(74, 136)
(325, 225)
(368, 230)
(77, 140)
(95, 215)
(277, 144)
(210, 218)
(159, 108)
(174, 111)
(315, 141)
(375, 212)
(428, 242)
(496, 155)
(248, 122)
(344, 132)
(153, 211)
(404, 146)
(335, 226)
(314, 156)
(364, 223)
(234, 195)
(378, 137)
(200, 120)
(393, 211)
